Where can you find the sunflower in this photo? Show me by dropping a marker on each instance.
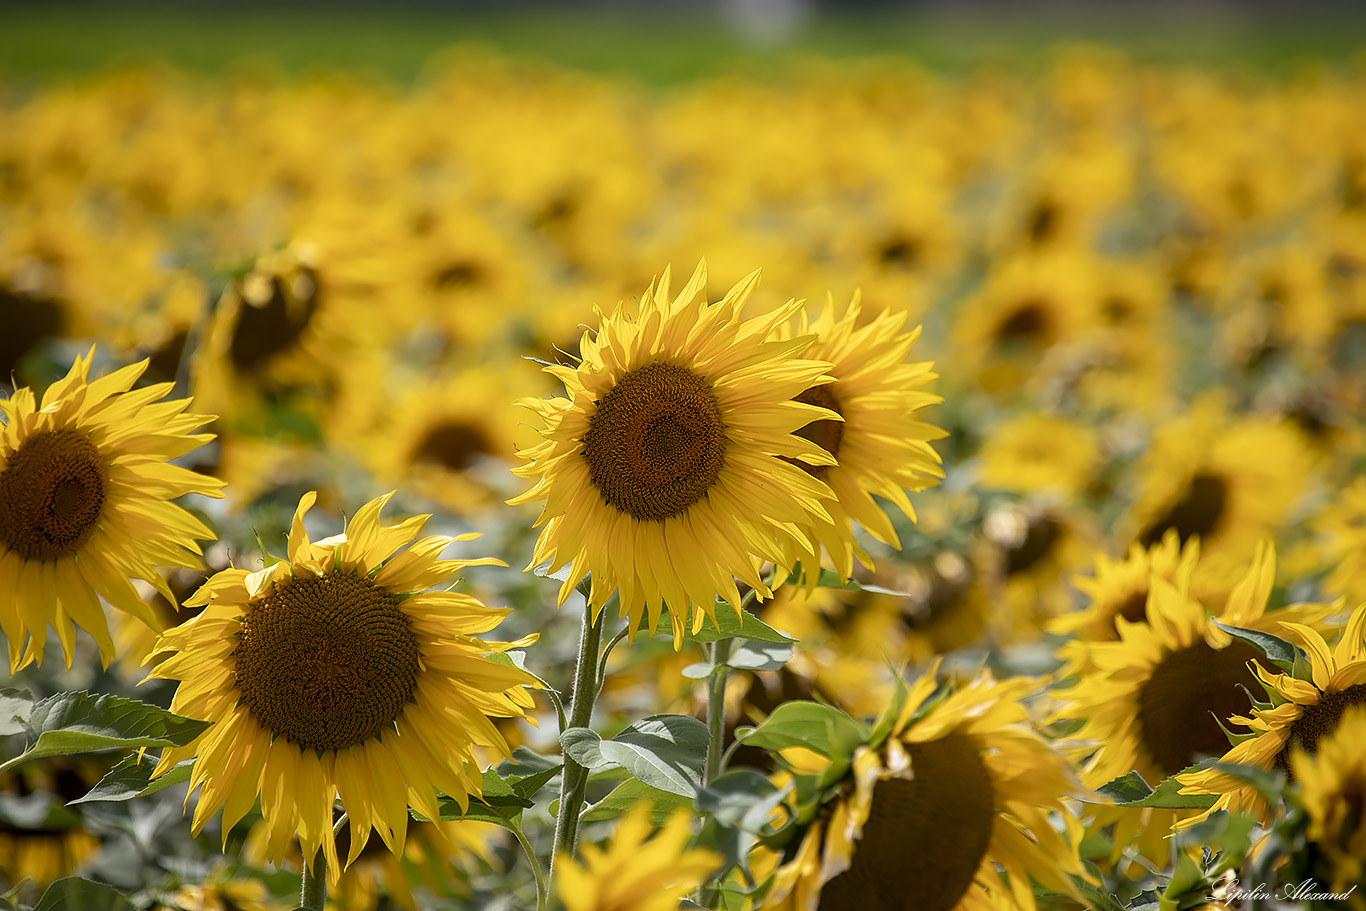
(1040, 453)
(667, 473)
(1119, 590)
(633, 874)
(336, 673)
(1155, 700)
(882, 445)
(1302, 714)
(85, 493)
(1027, 553)
(961, 788)
(1197, 478)
(1333, 792)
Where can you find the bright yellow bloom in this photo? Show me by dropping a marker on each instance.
(1304, 714)
(337, 674)
(1333, 792)
(85, 493)
(672, 468)
(632, 874)
(882, 444)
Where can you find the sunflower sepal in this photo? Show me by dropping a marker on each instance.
(739, 805)
(1278, 651)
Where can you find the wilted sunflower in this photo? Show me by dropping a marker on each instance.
(85, 493)
(881, 446)
(960, 790)
(337, 674)
(1302, 714)
(632, 874)
(668, 472)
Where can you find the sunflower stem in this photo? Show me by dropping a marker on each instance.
(719, 653)
(314, 891)
(542, 888)
(574, 777)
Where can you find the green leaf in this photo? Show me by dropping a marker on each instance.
(131, 778)
(15, 706)
(527, 772)
(742, 799)
(84, 723)
(1228, 832)
(1186, 877)
(630, 792)
(1132, 791)
(74, 892)
(38, 810)
(1277, 650)
(822, 728)
(745, 656)
(663, 751)
(831, 579)
(728, 626)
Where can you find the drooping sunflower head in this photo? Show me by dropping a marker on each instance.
(85, 502)
(336, 673)
(663, 471)
(958, 789)
(881, 444)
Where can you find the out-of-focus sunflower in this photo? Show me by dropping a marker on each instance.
(336, 673)
(436, 855)
(668, 472)
(41, 838)
(1028, 306)
(882, 445)
(85, 503)
(450, 438)
(960, 790)
(1154, 700)
(1197, 478)
(1333, 793)
(1342, 541)
(1302, 714)
(1028, 553)
(1119, 588)
(633, 874)
(221, 891)
(1040, 454)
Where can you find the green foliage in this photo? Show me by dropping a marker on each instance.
(1278, 651)
(1132, 791)
(84, 723)
(729, 625)
(667, 752)
(132, 778)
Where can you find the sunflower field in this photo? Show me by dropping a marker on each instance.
(850, 486)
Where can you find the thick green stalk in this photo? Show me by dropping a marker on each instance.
(314, 892)
(574, 777)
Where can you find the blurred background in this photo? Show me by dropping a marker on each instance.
(670, 40)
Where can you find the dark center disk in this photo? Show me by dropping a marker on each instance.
(1186, 693)
(657, 442)
(826, 434)
(1197, 513)
(326, 662)
(1319, 721)
(1027, 323)
(52, 492)
(266, 331)
(1040, 536)
(1133, 608)
(925, 837)
(453, 445)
